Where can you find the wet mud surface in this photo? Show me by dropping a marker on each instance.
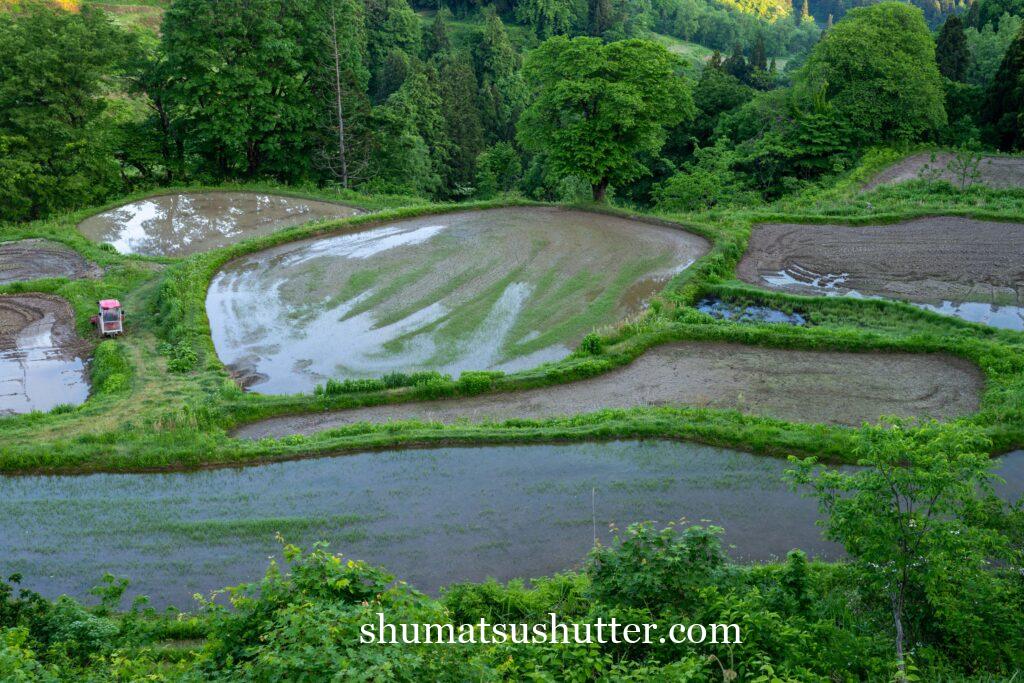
(502, 289)
(994, 172)
(968, 268)
(35, 259)
(183, 224)
(42, 359)
(799, 386)
(433, 517)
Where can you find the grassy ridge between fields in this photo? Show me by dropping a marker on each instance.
(162, 399)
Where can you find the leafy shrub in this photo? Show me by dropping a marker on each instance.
(591, 344)
(183, 357)
(477, 381)
(111, 372)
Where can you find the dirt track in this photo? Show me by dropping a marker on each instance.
(995, 172)
(35, 259)
(928, 260)
(800, 386)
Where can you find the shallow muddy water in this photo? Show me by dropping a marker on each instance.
(433, 517)
(502, 289)
(42, 360)
(970, 269)
(182, 224)
(789, 384)
(35, 259)
(995, 172)
(727, 310)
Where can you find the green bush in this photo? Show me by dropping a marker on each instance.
(111, 371)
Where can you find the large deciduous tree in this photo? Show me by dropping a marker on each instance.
(599, 107)
(55, 146)
(876, 71)
(244, 83)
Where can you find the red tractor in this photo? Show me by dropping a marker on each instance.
(110, 320)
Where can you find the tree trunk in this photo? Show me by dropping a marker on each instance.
(339, 110)
(599, 190)
(897, 618)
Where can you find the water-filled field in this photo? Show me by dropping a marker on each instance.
(432, 516)
(503, 289)
(42, 359)
(799, 386)
(182, 224)
(958, 266)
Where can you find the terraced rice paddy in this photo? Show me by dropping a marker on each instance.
(35, 259)
(994, 172)
(957, 266)
(42, 360)
(182, 224)
(503, 289)
(431, 516)
(800, 386)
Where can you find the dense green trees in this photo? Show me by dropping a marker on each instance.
(951, 52)
(599, 106)
(57, 144)
(891, 94)
(1004, 106)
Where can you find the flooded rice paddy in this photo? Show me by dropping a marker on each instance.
(727, 310)
(994, 172)
(35, 259)
(42, 360)
(433, 517)
(957, 266)
(183, 224)
(503, 289)
(799, 386)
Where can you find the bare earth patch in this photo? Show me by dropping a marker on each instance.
(969, 268)
(183, 224)
(799, 386)
(42, 359)
(35, 259)
(994, 172)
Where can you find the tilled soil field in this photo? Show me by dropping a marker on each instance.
(995, 172)
(35, 259)
(800, 386)
(927, 260)
(42, 359)
(183, 224)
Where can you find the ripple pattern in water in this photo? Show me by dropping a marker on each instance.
(182, 224)
(502, 289)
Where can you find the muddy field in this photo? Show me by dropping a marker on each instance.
(35, 259)
(42, 360)
(183, 224)
(431, 516)
(800, 386)
(995, 172)
(500, 289)
(968, 268)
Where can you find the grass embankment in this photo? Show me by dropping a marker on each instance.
(179, 404)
